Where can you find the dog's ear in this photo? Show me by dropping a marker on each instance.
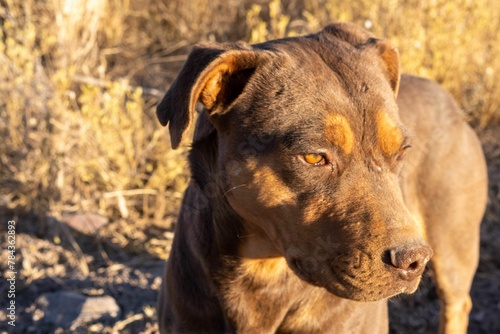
(361, 38)
(212, 75)
(390, 59)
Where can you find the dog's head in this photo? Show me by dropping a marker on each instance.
(311, 148)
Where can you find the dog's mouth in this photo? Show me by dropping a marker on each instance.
(382, 284)
(301, 272)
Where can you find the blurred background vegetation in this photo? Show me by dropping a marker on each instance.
(79, 80)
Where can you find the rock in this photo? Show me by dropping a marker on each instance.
(69, 310)
(86, 223)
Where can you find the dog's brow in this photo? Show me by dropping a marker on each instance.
(390, 136)
(339, 132)
(290, 139)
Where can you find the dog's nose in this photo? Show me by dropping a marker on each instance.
(410, 260)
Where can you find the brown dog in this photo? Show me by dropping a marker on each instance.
(307, 210)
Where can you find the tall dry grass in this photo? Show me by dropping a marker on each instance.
(79, 80)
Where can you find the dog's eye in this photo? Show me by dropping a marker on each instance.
(314, 159)
(402, 152)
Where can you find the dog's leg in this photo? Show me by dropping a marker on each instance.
(454, 208)
(454, 270)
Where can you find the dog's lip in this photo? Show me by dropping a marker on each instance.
(345, 286)
(333, 281)
(398, 284)
(345, 283)
(299, 270)
(303, 274)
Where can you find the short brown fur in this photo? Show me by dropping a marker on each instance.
(269, 240)
(339, 132)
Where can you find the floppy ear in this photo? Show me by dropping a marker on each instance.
(214, 76)
(390, 59)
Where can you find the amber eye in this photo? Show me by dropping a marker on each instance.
(314, 159)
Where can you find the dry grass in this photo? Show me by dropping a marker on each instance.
(79, 80)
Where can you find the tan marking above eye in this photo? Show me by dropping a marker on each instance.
(389, 135)
(339, 132)
(314, 159)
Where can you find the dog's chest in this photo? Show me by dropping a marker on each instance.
(260, 295)
(267, 297)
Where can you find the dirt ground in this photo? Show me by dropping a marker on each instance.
(52, 255)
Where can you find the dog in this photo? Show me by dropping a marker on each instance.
(323, 182)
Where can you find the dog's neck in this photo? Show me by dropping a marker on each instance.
(224, 224)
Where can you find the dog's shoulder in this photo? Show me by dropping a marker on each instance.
(426, 97)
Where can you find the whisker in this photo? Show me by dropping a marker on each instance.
(235, 187)
(245, 236)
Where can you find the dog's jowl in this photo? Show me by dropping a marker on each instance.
(323, 183)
